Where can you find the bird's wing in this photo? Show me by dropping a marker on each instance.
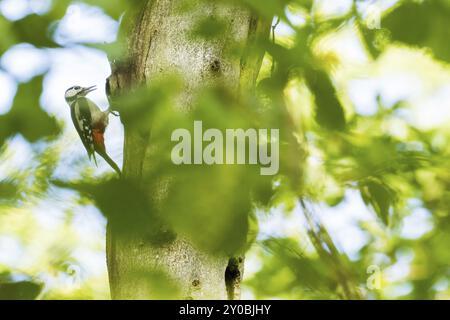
(81, 117)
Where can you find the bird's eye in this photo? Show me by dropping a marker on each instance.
(77, 88)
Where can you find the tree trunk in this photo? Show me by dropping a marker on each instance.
(159, 41)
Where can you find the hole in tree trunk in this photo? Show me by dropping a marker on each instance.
(233, 277)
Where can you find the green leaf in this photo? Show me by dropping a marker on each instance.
(8, 190)
(21, 290)
(114, 197)
(210, 28)
(423, 24)
(379, 196)
(8, 39)
(34, 29)
(288, 272)
(329, 111)
(26, 116)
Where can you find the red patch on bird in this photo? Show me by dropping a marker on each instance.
(99, 139)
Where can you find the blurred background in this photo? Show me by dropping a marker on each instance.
(381, 188)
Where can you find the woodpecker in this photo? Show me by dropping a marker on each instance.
(90, 122)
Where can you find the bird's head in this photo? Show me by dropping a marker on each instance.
(75, 92)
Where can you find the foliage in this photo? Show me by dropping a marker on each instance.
(331, 154)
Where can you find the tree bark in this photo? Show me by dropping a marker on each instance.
(159, 42)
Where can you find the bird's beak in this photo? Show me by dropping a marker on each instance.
(89, 89)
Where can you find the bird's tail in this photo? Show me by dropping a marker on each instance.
(110, 161)
(93, 156)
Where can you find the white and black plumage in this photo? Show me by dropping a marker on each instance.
(90, 122)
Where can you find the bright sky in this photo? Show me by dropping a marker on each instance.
(392, 78)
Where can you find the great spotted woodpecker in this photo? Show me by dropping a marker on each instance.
(90, 122)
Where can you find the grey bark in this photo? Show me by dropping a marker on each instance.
(159, 42)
